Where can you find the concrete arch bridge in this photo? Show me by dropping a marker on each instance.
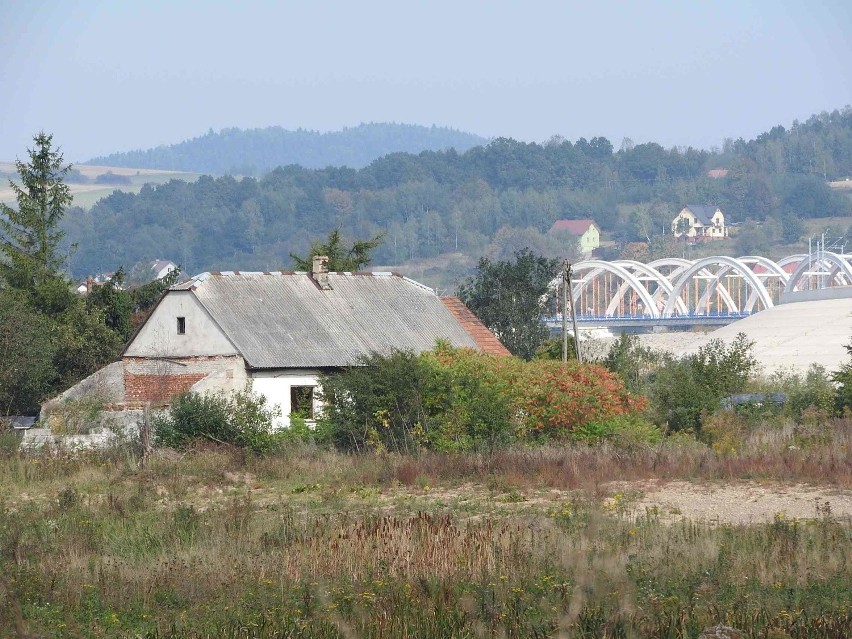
(710, 290)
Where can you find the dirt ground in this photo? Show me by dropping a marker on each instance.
(741, 503)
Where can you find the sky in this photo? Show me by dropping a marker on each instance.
(109, 76)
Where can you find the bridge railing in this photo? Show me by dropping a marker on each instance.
(586, 317)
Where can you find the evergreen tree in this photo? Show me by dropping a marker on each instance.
(29, 234)
(340, 258)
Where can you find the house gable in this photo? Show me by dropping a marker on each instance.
(160, 336)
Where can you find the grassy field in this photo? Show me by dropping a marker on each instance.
(85, 195)
(522, 543)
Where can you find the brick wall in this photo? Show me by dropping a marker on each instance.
(159, 380)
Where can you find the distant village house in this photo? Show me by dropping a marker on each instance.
(587, 232)
(700, 222)
(161, 268)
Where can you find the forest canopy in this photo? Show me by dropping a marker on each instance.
(471, 203)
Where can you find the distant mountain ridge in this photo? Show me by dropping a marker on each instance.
(257, 151)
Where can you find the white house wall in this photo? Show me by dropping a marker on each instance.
(275, 385)
(159, 336)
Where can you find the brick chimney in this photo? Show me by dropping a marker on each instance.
(90, 283)
(320, 272)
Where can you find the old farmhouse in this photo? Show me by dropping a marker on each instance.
(280, 330)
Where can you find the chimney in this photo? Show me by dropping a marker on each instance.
(90, 282)
(320, 272)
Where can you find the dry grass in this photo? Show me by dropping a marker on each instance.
(316, 543)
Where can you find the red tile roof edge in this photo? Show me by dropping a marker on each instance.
(484, 338)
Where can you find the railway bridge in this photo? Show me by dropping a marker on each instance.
(676, 292)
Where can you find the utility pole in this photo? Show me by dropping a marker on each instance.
(564, 310)
(570, 295)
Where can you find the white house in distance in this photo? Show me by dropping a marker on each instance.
(587, 232)
(700, 222)
(161, 268)
(279, 330)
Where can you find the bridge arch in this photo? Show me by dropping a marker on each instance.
(772, 268)
(662, 291)
(702, 268)
(678, 266)
(835, 267)
(592, 268)
(784, 262)
(771, 271)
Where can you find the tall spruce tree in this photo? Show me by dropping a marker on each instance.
(29, 234)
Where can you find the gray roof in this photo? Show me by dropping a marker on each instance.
(284, 320)
(703, 212)
(20, 422)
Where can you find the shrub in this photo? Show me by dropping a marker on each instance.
(459, 399)
(552, 399)
(725, 431)
(242, 419)
(686, 389)
(843, 379)
(626, 431)
(815, 391)
(386, 402)
(77, 416)
(632, 362)
(478, 412)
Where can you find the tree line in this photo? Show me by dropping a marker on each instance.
(504, 194)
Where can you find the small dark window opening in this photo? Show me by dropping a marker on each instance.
(181, 325)
(302, 402)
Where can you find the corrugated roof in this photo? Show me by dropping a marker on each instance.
(575, 227)
(704, 213)
(283, 320)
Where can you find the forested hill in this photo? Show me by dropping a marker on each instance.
(257, 151)
(506, 194)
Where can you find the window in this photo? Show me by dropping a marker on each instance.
(181, 325)
(302, 402)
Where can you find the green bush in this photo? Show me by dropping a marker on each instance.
(462, 400)
(632, 362)
(815, 391)
(625, 431)
(386, 402)
(685, 390)
(843, 379)
(242, 419)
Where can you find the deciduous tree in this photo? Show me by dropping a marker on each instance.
(506, 296)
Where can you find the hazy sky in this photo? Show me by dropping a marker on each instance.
(114, 76)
